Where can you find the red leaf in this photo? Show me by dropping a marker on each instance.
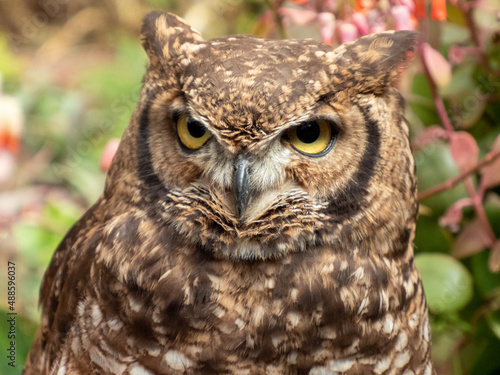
(363, 5)
(494, 261)
(420, 11)
(464, 150)
(438, 11)
(491, 173)
(453, 215)
(11, 123)
(472, 240)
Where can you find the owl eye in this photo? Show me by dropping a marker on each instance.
(192, 133)
(313, 138)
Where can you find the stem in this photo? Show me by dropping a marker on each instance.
(451, 183)
(475, 196)
(478, 207)
(466, 8)
(438, 101)
(274, 6)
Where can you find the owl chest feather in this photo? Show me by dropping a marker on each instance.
(301, 311)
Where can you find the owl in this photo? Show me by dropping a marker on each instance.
(258, 218)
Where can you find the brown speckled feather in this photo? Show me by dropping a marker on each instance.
(245, 254)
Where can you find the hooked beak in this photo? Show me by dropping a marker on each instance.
(241, 184)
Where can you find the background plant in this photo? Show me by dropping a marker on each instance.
(71, 73)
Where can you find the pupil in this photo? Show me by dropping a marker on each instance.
(196, 129)
(308, 133)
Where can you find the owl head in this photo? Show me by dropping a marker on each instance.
(253, 149)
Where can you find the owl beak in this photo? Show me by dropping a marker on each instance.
(241, 184)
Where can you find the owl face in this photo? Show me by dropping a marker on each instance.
(253, 148)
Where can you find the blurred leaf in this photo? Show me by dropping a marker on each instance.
(108, 154)
(35, 244)
(38, 240)
(438, 10)
(492, 208)
(471, 240)
(421, 102)
(494, 263)
(464, 150)
(487, 345)
(462, 81)
(493, 319)
(491, 173)
(454, 30)
(326, 22)
(439, 68)
(444, 342)
(453, 216)
(402, 17)
(298, 16)
(10, 65)
(487, 282)
(447, 283)
(486, 15)
(431, 237)
(435, 165)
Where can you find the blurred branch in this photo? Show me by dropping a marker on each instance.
(478, 207)
(467, 8)
(275, 6)
(438, 101)
(475, 196)
(451, 183)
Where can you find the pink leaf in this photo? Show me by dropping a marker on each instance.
(402, 18)
(298, 16)
(491, 173)
(472, 240)
(348, 32)
(457, 54)
(464, 149)
(361, 22)
(108, 154)
(494, 261)
(439, 68)
(453, 215)
(376, 21)
(7, 167)
(327, 26)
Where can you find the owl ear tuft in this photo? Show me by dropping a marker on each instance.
(377, 60)
(163, 34)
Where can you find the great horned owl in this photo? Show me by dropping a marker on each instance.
(258, 218)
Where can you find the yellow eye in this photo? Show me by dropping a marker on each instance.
(313, 138)
(192, 133)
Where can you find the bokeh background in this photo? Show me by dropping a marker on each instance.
(70, 74)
